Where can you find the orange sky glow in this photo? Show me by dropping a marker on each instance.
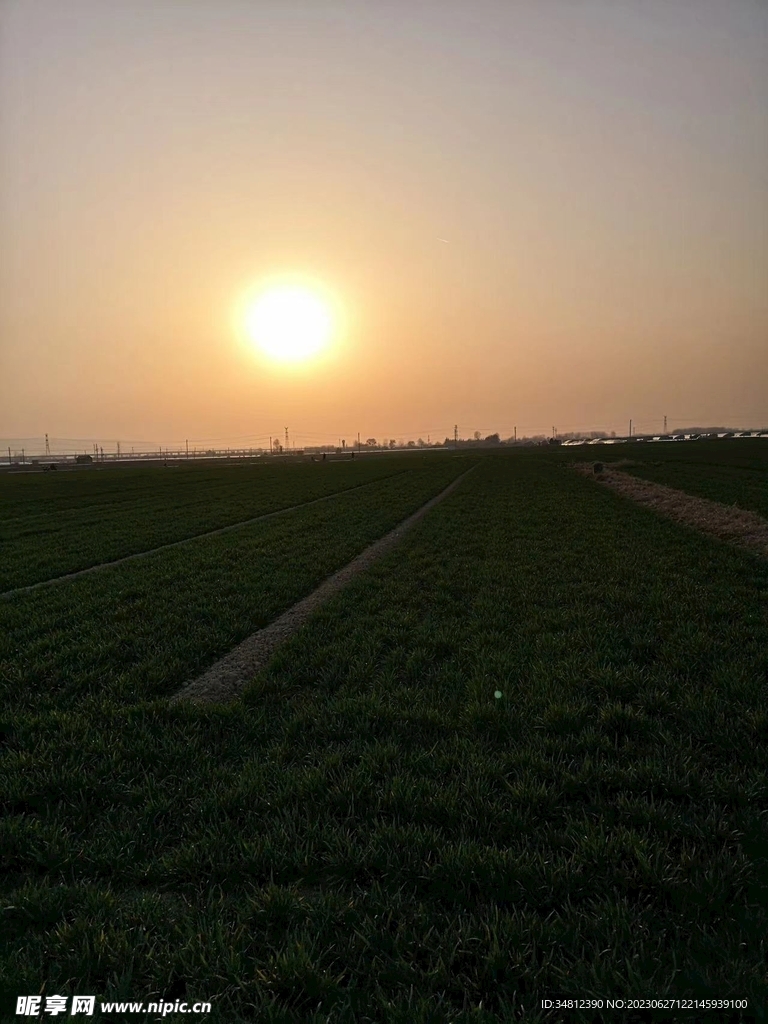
(502, 214)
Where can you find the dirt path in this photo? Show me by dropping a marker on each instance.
(188, 540)
(229, 676)
(734, 525)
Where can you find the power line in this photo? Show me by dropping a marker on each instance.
(321, 438)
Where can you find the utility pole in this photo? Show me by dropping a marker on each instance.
(665, 424)
(286, 438)
(47, 446)
(270, 444)
(515, 435)
(118, 449)
(187, 443)
(553, 431)
(630, 428)
(455, 433)
(358, 440)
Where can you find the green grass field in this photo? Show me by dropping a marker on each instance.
(371, 834)
(55, 523)
(732, 471)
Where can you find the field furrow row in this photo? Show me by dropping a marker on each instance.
(40, 540)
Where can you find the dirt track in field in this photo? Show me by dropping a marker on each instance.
(225, 680)
(726, 522)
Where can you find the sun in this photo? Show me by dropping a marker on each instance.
(289, 323)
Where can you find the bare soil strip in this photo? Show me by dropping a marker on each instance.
(729, 523)
(186, 540)
(229, 676)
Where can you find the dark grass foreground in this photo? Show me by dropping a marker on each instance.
(371, 835)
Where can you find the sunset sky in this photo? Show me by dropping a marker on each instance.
(521, 212)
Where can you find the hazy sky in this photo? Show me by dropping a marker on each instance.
(599, 169)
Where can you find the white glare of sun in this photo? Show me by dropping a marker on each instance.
(289, 324)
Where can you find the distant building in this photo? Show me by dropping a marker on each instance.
(83, 459)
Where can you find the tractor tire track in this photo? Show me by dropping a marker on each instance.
(229, 676)
(734, 525)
